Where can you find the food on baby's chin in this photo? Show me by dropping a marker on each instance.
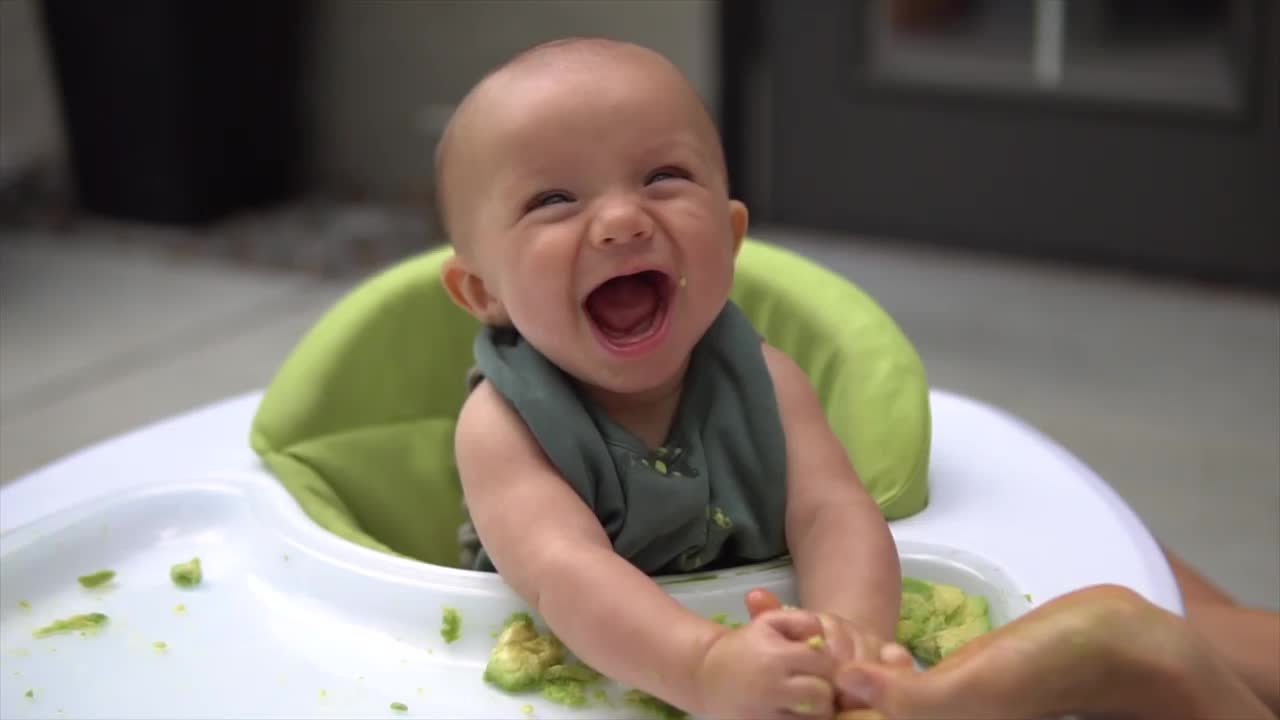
(450, 625)
(96, 579)
(936, 619)
(187, 574)
(88, 621)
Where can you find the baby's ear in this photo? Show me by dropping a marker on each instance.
(738, 223)
(468, 291)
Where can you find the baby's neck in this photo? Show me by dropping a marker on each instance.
(649, 414)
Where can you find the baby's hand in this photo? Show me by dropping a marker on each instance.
(849, 642)
(842, 639)
(769, 669)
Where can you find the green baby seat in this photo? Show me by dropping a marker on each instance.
(358, 422)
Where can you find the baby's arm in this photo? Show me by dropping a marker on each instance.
(550, 548)
(845, 559)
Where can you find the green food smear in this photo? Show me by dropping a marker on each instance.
(399, 707)
(24, 604)
(720, 519)
(567, 684)
(723, 619)
(451, 625)
(936, 619)
(691, 579)
(160, 645)
(93, 580)
(31, 694)
(88, 621)
(783, 561)
(187, 574)
(526, 709)
(656, 707)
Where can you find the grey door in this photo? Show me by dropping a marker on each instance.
(1121, 131)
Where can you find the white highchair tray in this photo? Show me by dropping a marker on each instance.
(291, 621)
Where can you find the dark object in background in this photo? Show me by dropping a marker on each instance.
(178, 112)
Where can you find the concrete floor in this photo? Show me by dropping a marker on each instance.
(1171, 392)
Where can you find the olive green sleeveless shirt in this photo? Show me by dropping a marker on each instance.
(714, 495)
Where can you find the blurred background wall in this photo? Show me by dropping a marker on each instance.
(426, 55)
(375, 80)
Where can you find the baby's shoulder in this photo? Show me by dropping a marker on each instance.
(487, 419)
(782, 369)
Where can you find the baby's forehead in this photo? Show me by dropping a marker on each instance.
(576, 97)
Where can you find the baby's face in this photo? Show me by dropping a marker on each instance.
(592, 201)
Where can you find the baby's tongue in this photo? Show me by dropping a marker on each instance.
(623, 305)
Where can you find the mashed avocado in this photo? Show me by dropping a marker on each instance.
(654, 706)
(524, 659)
(187, 574)
(88, 621)
(936, 619)
(93, 580)
(451, 625)
(522, 655)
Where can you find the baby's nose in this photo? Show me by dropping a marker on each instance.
(622, 224)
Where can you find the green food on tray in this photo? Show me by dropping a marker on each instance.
(187, 574)
(567, 684)
(656, 707)
(936, 619)
(524, 659)
(399, 707)
(450, 625)
(97, 579)
(522, 655)
(88, 621)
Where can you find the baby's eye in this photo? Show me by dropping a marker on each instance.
(666, 173)
(552, 197)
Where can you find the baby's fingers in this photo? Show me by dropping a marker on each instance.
(798, 625)
(807, 696)
(836, 640)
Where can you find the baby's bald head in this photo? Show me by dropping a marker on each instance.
(531, 74)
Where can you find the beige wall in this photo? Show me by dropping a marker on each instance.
(384, 73)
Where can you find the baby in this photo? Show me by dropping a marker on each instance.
(627, 421)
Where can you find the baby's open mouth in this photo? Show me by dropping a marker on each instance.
(629, 308)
